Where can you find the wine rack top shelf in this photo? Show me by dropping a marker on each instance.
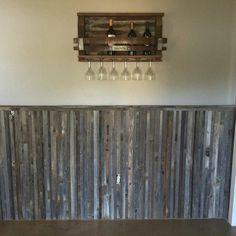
(92, 43)
(129, 15)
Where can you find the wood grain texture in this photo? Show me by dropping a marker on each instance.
(115, 162)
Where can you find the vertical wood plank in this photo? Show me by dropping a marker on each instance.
(13, 164)
(4, 171)
(188, 165)
(81, 141)
(105, 165)
(197, 163)
(73, 168)
(31, 153)
(146, 164)
(214, 198)
(25, 166)
(229, 121)
(130, 139)
(157, 186)
(205, 166)
(124, 164)
(151, 164)
(177, 164)
(160, 165)
(96, 164)
(34, 170)
(173, 165)
(141, 164)
(46, 164)
(54, 132)
(112, 167)
(40, 163)
(89, 162)
(167, 136)
(118, 137)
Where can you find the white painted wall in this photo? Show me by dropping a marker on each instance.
(232, 81)
(38, 65)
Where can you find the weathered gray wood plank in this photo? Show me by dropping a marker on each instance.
(73, 168)
(130, 139)
(188, 165)
(4, 170)
(96, 164)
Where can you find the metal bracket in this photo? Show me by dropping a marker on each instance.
(161, 42)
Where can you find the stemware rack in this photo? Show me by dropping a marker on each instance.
(92, 43)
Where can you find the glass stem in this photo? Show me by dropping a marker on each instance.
(150, 64)
(125, 64)
(113, 65)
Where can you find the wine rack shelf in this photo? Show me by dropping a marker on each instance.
(92, 43)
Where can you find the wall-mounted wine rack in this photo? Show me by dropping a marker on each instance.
(93, 44)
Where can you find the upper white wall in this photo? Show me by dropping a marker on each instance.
(232, 81)
(39, 67)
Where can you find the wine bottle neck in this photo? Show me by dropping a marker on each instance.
(110, 23)
(132, 26)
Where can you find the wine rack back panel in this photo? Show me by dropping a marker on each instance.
(93, 44)
(97, 26)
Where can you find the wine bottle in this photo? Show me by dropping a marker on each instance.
(110, 34)
(147, 34)
(132, 34)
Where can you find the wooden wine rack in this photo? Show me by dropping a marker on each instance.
(93, 45)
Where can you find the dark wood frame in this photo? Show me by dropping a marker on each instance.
(122, 44)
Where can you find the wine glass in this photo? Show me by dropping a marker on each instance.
(90, 74)
(150, 74)
(125, 75)
(113, 75)
(137, 73)
(102, 72)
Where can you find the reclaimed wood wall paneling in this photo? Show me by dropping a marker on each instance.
(121, 162)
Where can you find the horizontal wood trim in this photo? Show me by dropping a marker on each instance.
(118, 48)
(141, 107)
(120, 58)
(118, 40)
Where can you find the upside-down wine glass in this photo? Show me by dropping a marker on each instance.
(150, 74)
(102, 72)
(137, 73)
(90, 74)
(125, 75)
(113, 75)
